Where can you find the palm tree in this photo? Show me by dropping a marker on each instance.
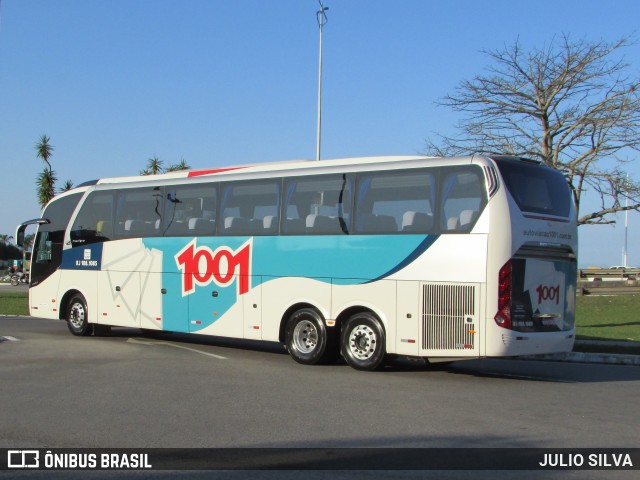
(46, 182)
(68, 185)
(183, 165)
(47, 179)
(5, 239)
(154, 167)
(44, 149)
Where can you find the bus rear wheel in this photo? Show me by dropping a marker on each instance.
(363, 342)
(307, 339)
(77, 317)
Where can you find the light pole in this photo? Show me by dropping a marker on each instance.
(626, 221)
(321, 16)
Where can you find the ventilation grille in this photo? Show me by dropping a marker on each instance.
(448, 317)
(492, 180)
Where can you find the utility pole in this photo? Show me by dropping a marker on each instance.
(626, 222)
(321, 16)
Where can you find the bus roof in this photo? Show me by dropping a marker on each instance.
(294, 167)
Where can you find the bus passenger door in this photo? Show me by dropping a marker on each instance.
(119, 298)
(253, 310)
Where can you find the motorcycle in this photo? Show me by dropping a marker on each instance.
(18, 278)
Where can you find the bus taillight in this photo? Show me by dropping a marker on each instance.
(503, 317)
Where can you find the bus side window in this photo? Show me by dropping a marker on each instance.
(190, 210)
(139, 212)
(395, 202)
(317, 205)
(94, 220)
(413, 222)
(250, 208)
(44, 248)
(462, 200)
(104, 229)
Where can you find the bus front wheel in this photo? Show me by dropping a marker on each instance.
(77, 318)
(363, 342)
(307, 340)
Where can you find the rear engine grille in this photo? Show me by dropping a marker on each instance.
(448, 313)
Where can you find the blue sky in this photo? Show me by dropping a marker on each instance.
(114, 83)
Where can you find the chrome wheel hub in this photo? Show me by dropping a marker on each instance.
(305, 336)
(362, 342)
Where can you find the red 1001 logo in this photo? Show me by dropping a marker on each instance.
(546, 293)
(201, 266)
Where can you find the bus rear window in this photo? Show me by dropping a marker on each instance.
(536, 188)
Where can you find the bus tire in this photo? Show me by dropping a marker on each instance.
(307, 340)
(363, 342)
(77, 317)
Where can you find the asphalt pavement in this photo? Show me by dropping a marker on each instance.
(580, 357)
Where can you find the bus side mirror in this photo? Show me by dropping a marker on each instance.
(20, 236)
(22, 228)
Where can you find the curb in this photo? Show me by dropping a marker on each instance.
(592, 357)
(582, 357)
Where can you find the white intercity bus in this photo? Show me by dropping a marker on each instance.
(368, 258)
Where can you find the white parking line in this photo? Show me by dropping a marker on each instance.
(149, 342)
(11, 339)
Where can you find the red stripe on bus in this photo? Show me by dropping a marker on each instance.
(198, 173)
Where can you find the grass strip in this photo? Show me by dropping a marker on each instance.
(13, 303)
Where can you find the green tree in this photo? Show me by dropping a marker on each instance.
(5, 239)
(571, 104)
(46, 180)
(68, 185)
(155, 166)
(7, 250)
(183, 165)
(44, 150)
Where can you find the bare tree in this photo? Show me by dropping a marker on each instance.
(571, 105)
